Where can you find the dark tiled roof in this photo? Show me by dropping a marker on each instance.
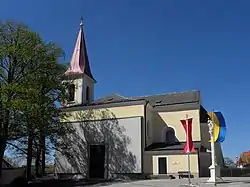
(163, 146)
(162, 102)
(173, 98)
(157, 100)
(112, 98)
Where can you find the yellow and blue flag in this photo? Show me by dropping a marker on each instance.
(219, 126)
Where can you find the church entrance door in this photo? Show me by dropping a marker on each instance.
(162, 165)
(96, 161)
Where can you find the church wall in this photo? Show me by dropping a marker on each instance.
(149, 125)
(78, 83)
(219, 154)
(128, 111)
(90, 83)
(177, 163)
(205, 137)
(122, 138)
(107, 113)
(78, 90)
(147, 163)
(205, 162)
(148, 137)
(158, 129)
(172, 119)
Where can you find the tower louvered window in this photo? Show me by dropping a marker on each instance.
(71, 90)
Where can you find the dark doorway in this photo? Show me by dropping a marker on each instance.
(96, 161)
(162, 165)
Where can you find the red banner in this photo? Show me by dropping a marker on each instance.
(187, 124)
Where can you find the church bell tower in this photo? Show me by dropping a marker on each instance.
(79, 76)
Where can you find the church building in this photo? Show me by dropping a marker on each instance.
(123, 136)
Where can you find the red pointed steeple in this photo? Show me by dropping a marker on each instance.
(79, 63)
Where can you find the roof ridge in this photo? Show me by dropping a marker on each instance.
(114, 94)
(161, 94)
(121, 96)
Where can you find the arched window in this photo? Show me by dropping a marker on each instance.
(169, 136)
(87, 93)
(71, 90)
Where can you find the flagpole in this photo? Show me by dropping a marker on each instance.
(212, 168)
(213, 139)
(188, 151)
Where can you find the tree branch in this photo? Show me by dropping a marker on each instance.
(16, 147)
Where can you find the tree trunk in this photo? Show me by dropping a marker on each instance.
(2, 150)
(38, 159)
(3, 134)
(43, 154)
(29, 157)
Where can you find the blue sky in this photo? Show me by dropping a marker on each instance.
(143, 47)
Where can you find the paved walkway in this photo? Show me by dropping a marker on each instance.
(234, 182)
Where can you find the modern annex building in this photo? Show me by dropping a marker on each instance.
(117, 135)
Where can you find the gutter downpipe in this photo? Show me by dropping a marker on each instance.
(145, 134)
(145, 122)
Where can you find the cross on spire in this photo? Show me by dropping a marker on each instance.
(81, 22)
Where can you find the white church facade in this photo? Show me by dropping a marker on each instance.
(117, 135)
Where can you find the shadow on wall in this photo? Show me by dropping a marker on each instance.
(161, 131)
(103, 128)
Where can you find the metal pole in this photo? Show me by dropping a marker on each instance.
(189, 180)
(212, 143)
(188, 151)
(213, 150)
